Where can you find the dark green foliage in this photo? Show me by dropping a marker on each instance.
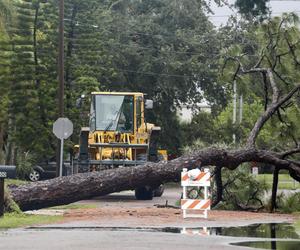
(241, 191)
(253, 8)
(166, 49)
(30, 84)
(202, 127)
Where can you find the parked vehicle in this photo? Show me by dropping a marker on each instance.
(46, 170)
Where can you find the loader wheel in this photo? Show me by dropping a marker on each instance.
(144, 193)
(158, 192)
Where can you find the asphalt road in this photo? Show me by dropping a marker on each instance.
(94, 234)
(107, 240)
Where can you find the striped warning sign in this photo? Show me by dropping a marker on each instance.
(195, 204)
(202, 179)
(196, 231)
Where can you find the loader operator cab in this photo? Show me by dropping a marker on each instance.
(112, 113)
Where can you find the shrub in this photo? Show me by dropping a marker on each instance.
(9, 204)
(24, 164)
(289, 203)
(241, 191)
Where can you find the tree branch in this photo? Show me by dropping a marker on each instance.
(276, 101)
(292, 49)
(276, 104)
(266, 91)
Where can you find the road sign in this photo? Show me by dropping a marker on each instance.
(63, 128)
(255, 170)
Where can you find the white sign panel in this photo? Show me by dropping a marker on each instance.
(255, 170)
(63, 128)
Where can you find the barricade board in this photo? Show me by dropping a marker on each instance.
(195, 204)
(201, 180)
(193, 231)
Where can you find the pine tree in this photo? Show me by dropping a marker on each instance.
(6, 13)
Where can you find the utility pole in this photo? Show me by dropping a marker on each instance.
(60, 75)
(241, 109)
(61, 59)
(234, 109)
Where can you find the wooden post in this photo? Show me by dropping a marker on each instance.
(1, 197)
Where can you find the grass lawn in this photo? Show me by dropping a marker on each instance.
(15, 220)
(15, 182)
(285, 181)
(297, 224)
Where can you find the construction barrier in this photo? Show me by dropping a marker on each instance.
(195, 178)
(204, 231)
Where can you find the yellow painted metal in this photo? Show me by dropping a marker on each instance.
(163, 153)
(118, 93)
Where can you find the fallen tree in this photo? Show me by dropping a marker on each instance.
(69, 189)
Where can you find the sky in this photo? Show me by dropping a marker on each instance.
(278, 7)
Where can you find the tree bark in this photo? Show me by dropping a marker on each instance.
(274, 189)
(70, 189)
(2, 153)
(219, 184)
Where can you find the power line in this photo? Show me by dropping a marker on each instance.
(136, 32)
(272, 13)
(163, 35)
(155, 74)
(116, 44)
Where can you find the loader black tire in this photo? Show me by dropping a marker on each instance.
(144, 193)
(158, 192)
(153, 146)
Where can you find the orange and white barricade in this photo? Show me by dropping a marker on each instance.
(195, 178)
(204, 231)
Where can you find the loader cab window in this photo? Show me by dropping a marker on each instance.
(114, 113)
(125, 123)
(93, 115)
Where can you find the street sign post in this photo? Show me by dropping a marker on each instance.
(5, 172)
(63, 129)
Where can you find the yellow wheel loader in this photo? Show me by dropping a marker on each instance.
(118, 136)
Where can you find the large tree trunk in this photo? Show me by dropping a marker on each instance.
(274, 189)
(219, 185)
(83, 186)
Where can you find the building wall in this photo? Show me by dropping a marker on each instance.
(185, 113)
